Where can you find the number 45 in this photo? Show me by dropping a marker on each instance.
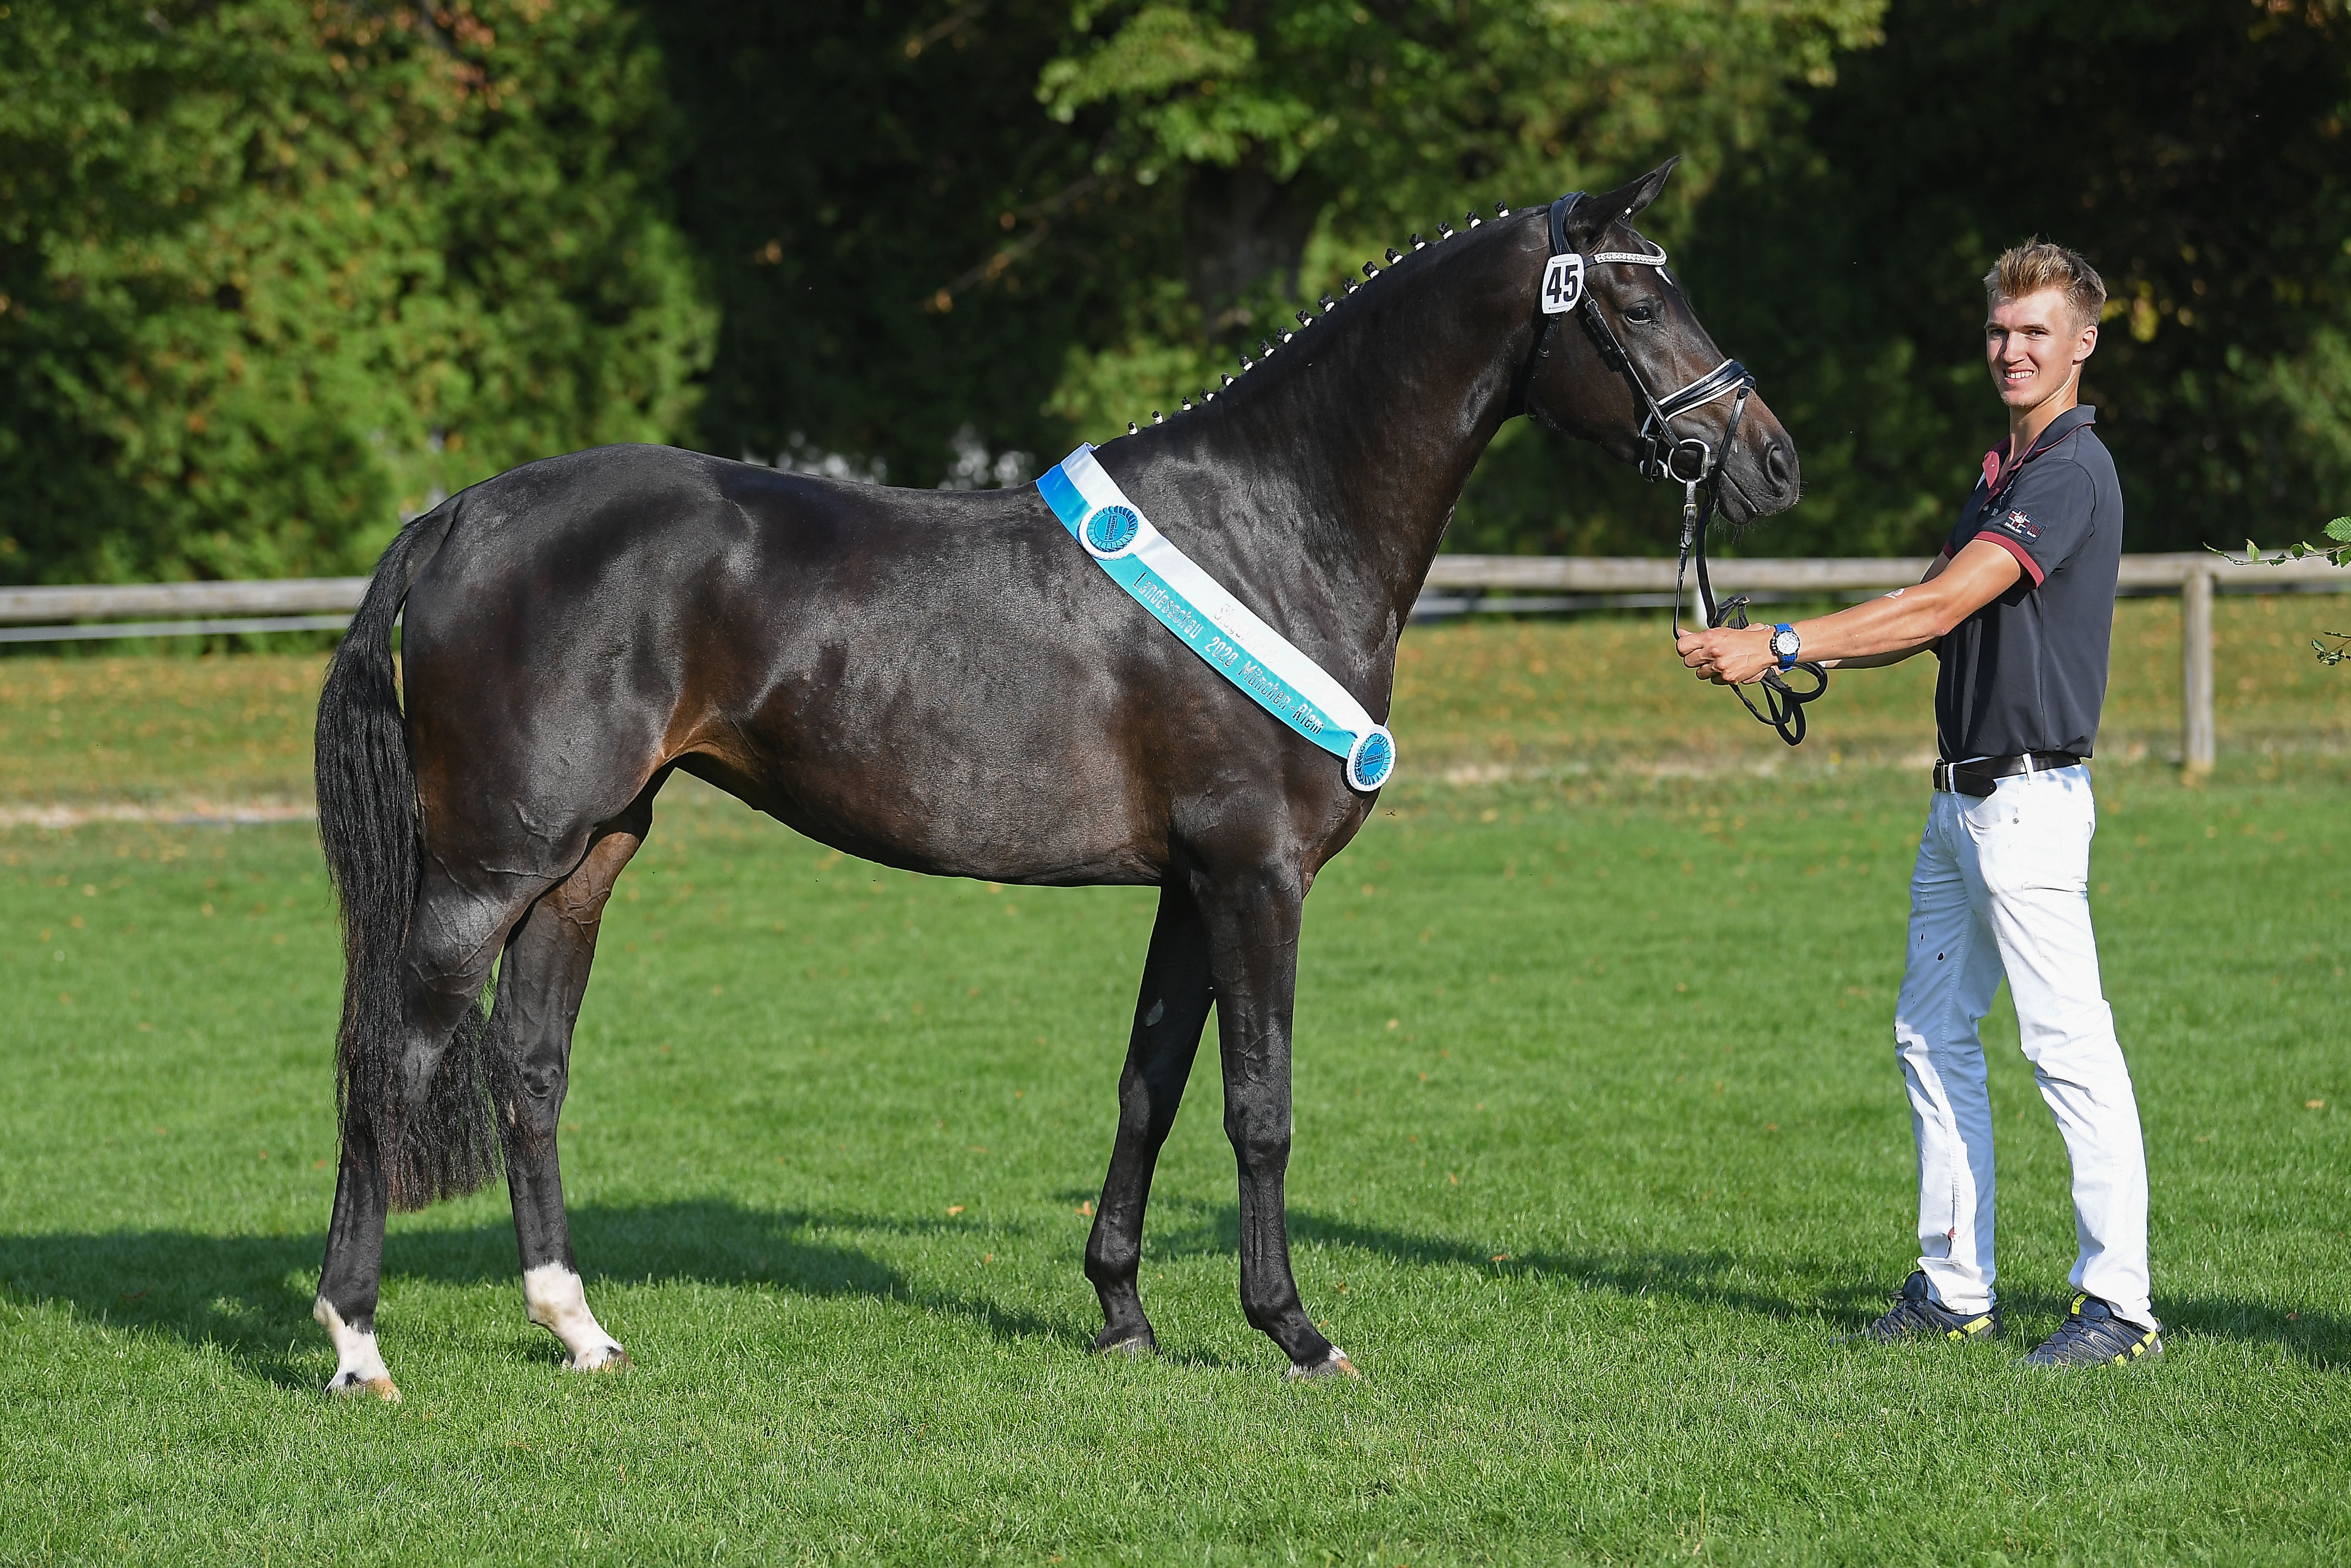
(1563, 284)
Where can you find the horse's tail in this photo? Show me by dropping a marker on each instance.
(371, 826)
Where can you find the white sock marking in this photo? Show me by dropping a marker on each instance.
(358, 1364)
(556, 1302)
(1337, 1358)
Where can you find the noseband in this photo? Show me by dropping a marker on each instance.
(1690, 461)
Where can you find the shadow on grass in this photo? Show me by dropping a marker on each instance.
(250, 1296)
(1709, 1278)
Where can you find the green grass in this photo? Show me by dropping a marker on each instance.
(1600, 1148)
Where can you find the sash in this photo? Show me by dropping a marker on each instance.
(1214, 625)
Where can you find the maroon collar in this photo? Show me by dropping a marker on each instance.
(1999, 477)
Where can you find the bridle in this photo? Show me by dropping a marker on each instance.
(1690, 461)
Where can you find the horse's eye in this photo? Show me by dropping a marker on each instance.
(1644, 311)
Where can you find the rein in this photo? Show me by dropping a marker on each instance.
(1690, 461)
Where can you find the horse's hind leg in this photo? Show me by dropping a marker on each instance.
(417, 1127)
(539, 987)
(353, 1273)
(1174, 1002)
(444, 964)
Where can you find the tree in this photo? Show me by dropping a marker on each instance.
(1006, 226)
(1291, 137)
(274, 273)
(277, 272)
(901, 244)
(2193, 151)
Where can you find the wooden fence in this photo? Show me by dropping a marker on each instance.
(1458, 585)
(1535, 584)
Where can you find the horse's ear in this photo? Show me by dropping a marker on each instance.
(1595, 214)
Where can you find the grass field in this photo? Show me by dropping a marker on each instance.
(1600, 1149)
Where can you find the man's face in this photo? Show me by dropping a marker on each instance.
(2032, 345)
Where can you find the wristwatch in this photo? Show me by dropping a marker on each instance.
(1786, 645)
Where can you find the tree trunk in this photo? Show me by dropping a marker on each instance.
(1242, 228)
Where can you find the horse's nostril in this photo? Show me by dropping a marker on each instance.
(1779, 464)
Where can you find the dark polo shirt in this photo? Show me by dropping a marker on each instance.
(2028, 671)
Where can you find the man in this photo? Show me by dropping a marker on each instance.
(2019, 607)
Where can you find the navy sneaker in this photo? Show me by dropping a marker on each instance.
(2092, 1336)
(1916, 1315)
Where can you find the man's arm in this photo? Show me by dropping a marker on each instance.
(1935, 569)
(1877, 631)
(1877, 662)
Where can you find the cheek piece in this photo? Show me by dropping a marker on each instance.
(1690, 461)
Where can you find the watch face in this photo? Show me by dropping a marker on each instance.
(1785, 642)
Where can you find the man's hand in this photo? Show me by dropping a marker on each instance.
(1727, 657)
(1877, 631)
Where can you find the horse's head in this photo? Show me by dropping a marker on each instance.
(1633, 344)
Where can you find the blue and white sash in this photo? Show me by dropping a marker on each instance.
(1214, 625)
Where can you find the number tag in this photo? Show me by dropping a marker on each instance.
(1563, 284)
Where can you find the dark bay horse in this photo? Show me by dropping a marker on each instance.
(941, 682)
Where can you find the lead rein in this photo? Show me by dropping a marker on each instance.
(1783, 704)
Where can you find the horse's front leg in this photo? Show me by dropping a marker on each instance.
(539, 987)
(1174, 1004)
(1253, 921)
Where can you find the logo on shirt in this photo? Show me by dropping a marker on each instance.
(2020, 525)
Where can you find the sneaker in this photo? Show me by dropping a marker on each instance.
(1916, 1315)
(2092, 1336)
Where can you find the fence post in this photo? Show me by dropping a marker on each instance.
(2196, 670)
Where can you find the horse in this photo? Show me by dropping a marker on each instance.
(942, 682)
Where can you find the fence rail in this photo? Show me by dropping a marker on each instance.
(1826, 577)
(283, 596)
(1458, 584)
(1533, 584)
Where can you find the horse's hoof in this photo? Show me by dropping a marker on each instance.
(349, 1382)
(359, 1367)
(603, 1358)
(1135, 1345)
(1336, 1365)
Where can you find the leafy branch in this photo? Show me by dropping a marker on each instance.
(2338, 553)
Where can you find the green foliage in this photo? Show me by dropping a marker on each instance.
(1166, 65)
(2337, 554)
(255, 254)
(2193, 151)
(1288, 140)
(277, 272)
(901, 244)
(1026, 225)
(1399, 114)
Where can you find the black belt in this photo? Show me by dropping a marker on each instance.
(1982, 777)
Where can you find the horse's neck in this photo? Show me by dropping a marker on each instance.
(1369, 422)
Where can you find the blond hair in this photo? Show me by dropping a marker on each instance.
(2028, 269)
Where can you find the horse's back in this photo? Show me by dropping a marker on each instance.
(925, 677)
